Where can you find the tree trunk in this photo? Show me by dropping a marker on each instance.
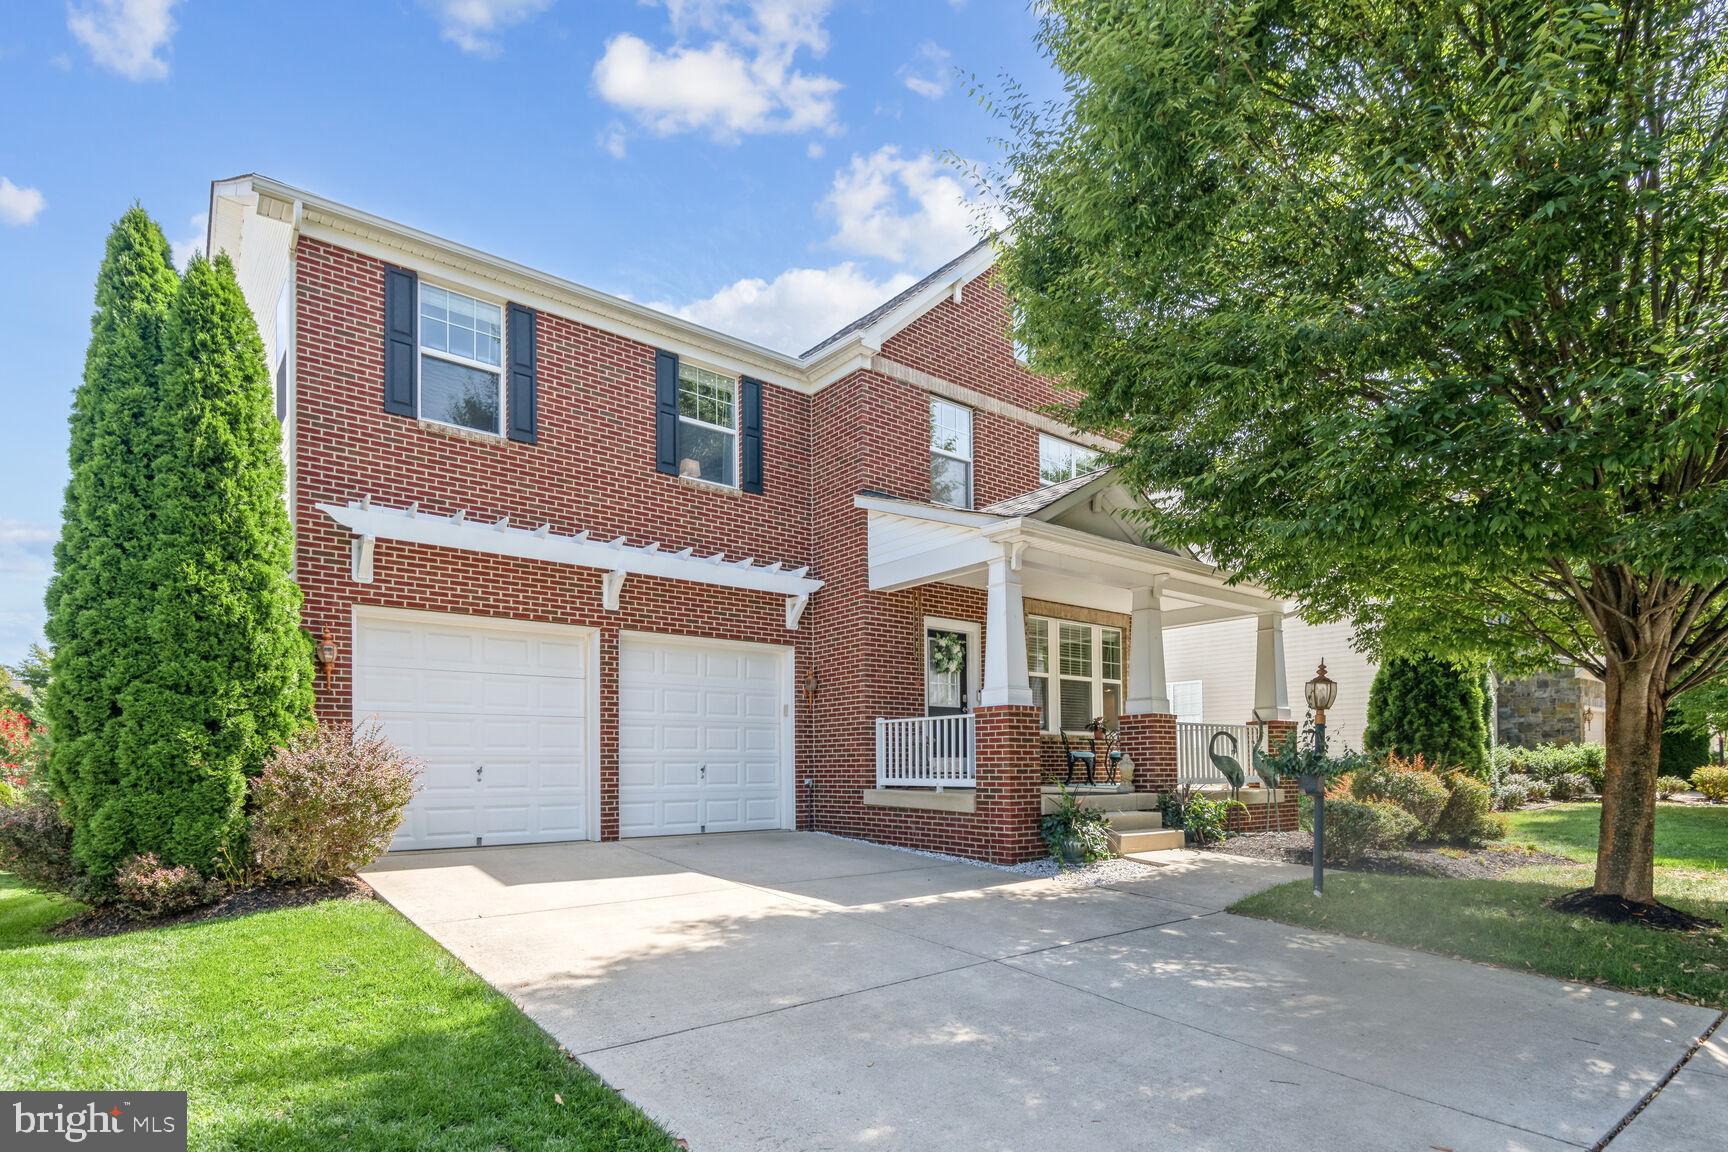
(1626, 850)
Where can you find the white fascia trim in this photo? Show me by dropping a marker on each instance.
(366, 519)
(375, 236)
(884, 329)
(917, 511)
(1204, 582)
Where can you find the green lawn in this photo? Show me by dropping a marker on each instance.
(1504, 922)
(1687, 835)
(335, 1025)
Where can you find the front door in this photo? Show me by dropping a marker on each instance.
(947, 672)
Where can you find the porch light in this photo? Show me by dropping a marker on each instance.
(1321, 691)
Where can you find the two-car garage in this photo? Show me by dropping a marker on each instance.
(504, 717)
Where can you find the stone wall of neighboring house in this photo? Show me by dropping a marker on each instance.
(1561, 706)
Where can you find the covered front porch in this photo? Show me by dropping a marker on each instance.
(1061, 677)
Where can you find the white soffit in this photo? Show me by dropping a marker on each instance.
(369, 522)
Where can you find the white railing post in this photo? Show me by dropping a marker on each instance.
(1194, 752)
(926, 751)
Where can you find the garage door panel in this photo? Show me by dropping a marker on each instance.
(467, 695)
(700, 737)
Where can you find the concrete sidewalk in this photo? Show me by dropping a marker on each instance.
(798, 991)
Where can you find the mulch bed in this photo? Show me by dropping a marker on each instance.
(1586, 902)
(1487, 863)
(241, 902)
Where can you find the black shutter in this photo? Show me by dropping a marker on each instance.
(750, 434)
(524, 385)
(666, 412)
(401, 339)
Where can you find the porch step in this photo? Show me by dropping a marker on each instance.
(1107, 801)
(1151, 840)
(1130, 820)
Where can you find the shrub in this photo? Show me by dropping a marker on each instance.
(1684, 748)
(1670, 786)
(328, 802)
(1571, 786)
(1515, 790)
(1406, 783)
(147, 889)
(1206, 820)
(1423, 705)
(1549, 761)
(1072, 823)
(1712, 781)
(36, 843)
(1354, 827)
(1468, 817)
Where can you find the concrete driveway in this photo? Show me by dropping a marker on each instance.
(801, 992)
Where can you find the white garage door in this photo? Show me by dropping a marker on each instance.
(497, 714)
(701, 737)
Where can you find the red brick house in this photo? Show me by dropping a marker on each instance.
(608, 573)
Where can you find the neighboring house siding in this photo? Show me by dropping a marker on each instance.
(1221, 656)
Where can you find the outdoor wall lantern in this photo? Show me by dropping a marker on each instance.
(327, 657)
(1321, 693)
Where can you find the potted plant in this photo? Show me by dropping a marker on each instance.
(1074, 833)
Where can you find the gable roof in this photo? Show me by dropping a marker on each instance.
(1029, 503)
(887, 307)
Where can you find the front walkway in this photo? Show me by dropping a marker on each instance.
(792, 990)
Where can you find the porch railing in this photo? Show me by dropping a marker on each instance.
(1194, 747)
(925, 752)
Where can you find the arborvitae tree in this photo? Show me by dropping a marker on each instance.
(97, 600)
(1421, 704)
(233, 676)
(1684, 748)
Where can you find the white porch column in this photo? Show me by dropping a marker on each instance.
(1147, 687)
(1271, 694)
(1005, 679)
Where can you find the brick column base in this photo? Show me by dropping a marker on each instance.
(1006, 754)
(1149, 739)
(1283, 816)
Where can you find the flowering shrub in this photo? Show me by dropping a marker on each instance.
(1406, 783)
(328, 802)
(14, 748)
(147, 889)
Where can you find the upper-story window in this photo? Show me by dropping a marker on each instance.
(461, 360)
(950, 454)
(707, 425)
(1060, 460)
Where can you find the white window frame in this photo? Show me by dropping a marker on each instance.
(971, 425)
(497, 370)
(1171, 693)
(1052, 628)
(737, 396)
(1068, 446)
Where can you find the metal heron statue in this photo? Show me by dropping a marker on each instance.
(1227, 764)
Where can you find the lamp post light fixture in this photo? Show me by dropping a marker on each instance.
(1321, 693)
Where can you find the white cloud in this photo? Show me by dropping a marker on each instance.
(19, 206)
(910, 211)
(796, 308)
(729, 71)
(614, 140)
(26, 548)
(814, 150)
(125, 36)
(475, 25)
(197, 228)
(928, 74)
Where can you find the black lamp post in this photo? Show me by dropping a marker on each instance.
(1321, 692)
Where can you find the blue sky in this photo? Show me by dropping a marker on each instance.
(769, 167)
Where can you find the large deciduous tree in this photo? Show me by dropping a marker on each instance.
(97, 602)
(1416, 312)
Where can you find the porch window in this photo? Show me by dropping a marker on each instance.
(1084, 681)
(950, 454)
